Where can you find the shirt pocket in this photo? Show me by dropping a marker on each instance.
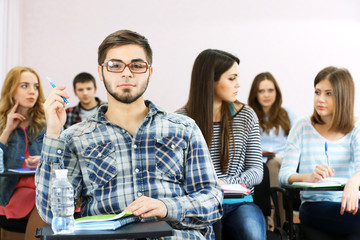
(100, 165)
(169, 154)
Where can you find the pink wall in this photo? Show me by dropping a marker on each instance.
(291, 39)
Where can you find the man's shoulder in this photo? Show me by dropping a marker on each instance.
(79, 129)
(178, 118)
(72, 109)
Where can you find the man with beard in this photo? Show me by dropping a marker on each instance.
(131, 156)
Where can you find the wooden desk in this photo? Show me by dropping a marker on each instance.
(132, 231)
(9, 174)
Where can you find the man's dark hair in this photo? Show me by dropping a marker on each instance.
(121, 38)
(82, 78)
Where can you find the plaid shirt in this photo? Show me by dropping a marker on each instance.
(73, 114)
(167, 159)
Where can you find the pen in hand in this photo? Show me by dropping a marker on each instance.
(326, 153)
(53, 85)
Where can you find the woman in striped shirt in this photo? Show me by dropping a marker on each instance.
(231, 130)
(333, 125)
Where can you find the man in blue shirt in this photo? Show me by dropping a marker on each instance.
(132, 155)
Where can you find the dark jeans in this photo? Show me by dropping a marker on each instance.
(243, 221)
(326, 216)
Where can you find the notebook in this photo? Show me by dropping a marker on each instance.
(327, 182)
(105, 222)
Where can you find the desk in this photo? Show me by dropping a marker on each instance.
(10, 173)
(133, 230)
(233, 195)
(290, 194)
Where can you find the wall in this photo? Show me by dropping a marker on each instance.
(292, 39)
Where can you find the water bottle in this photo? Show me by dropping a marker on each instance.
(2, 166)
(62, 204)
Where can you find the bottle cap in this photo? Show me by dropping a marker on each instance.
(61, 173)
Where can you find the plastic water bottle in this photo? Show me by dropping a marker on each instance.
(62, 204)
(2, 166)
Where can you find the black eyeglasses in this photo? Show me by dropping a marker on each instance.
(119, 66)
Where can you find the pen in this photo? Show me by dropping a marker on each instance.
(21, 157)
(53, 85)
(326, 153)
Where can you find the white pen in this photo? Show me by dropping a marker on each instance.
(53, 85)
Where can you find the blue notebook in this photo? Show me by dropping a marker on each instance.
(106, 225)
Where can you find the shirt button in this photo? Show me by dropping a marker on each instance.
(59, 151)
(139, 194)
(99, 155)
(137, 170)
(172, 146)
(134, 146)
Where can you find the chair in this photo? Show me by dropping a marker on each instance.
(262, 196)
(262, 199)
(300, 231)
(13, 228)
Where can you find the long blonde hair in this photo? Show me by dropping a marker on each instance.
(36, 114)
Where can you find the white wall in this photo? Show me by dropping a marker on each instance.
(292, 39)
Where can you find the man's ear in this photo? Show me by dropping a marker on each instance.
(150, 72)
(75, 90)
(100, 73)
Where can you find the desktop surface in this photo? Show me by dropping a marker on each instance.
(22, 174)
(133, 230)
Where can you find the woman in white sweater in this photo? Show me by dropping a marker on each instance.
(331, 124)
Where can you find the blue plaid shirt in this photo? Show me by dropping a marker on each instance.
(167, 159)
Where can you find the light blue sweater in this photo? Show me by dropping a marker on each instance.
(276, 143)
(305, 148)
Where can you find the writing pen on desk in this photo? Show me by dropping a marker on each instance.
(53, 85)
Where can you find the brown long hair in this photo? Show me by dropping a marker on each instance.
(36, 113)
(343, 96)
(208, 67)
(277, 115)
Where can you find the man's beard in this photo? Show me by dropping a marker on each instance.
(126, 97)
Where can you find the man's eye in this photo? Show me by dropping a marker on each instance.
(138, 65)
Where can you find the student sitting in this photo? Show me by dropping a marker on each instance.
(84, 85)
(275, 121)
(231, 130)
(22, 128)
(331, 123)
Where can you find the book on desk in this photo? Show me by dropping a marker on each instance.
(235, 189)
(105, 222)
(22, 170)
(327, 182)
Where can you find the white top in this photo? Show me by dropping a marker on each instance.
(276, 143)
(306, 148)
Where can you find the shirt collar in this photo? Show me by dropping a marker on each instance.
(153, 110)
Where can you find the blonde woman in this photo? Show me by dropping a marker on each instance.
(22, 128)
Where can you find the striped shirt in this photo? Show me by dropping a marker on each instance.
(166, 159)
(305, 148)
(245, 165)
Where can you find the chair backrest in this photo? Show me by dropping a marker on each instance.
(262, 193)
